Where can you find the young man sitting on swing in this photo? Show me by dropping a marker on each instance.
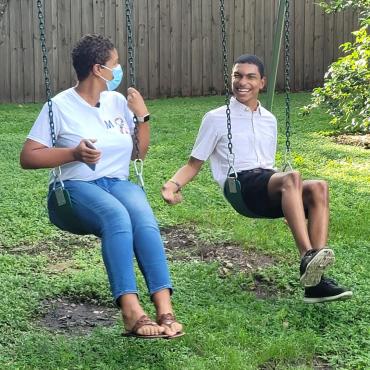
(265, 192)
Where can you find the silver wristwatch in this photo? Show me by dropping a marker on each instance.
(142, 119)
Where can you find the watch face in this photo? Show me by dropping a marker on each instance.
(143, 118)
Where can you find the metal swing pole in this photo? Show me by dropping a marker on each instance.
(275, 54)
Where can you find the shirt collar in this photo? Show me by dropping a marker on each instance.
(236, 103)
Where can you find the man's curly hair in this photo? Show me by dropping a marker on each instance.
(90, 49)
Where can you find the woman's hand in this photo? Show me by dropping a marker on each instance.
(86, 152)
(171, 193)
(136, 102)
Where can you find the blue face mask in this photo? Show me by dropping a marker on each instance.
(117, 77)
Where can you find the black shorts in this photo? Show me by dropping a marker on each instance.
(255, 195)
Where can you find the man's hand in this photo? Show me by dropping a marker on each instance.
(171, 193)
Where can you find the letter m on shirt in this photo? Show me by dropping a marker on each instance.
(109, 124)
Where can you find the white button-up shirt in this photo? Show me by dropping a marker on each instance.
(254, 139)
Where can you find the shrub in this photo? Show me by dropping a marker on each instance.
(346, 90)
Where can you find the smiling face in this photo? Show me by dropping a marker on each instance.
(246, 82)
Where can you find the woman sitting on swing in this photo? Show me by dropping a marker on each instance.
(93, 147)
(265, 192)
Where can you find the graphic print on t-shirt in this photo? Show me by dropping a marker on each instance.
(121, 123)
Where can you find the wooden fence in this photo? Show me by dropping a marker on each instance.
(177, 42)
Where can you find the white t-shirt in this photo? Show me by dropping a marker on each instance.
(254, 139)
(74, 119)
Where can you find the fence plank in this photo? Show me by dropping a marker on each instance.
(5, 71)
(280, 80)
(175, 48)
(206, 47)
(37, 59)
(216, 52)
(164, 51)
(230, 28)
(318, 46)
(196, 48)
(51, 33)
(64, 35)
(186, 44)
(153, 11)
(87, 11)
(16, 65)
(76, 32)
(142, 76)
(269, 32)
(329, 40)
(308, 45)
(27, 50)
(121, 42)
(99, 16)
(249, 11)
(339, 34)
(292, 43)
(110, 19)
(259, 39)
(239, 28)
(299, 37)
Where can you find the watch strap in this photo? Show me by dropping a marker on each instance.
(142, 119)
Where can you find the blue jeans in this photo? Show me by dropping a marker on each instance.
(118, 212)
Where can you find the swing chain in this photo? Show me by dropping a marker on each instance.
(55, 173)
(130, 42)
(46, 70)
(231, 155)
(288, 158)
(138, 163)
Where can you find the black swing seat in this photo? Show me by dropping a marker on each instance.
(233, 194)
(60, 201)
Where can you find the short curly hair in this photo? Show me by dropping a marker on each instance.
(251, 59)
(90, 49)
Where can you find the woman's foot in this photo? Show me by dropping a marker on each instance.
(144, 328)
(165, 316)
(136, 322)
(171, 327)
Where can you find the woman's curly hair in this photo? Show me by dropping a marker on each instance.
(90, 49)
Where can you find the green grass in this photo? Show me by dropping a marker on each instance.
(227, 327)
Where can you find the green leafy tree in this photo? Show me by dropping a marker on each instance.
(362, 6)
(345, 93)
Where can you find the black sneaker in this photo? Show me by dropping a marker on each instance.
(327, 290)
(313, 265)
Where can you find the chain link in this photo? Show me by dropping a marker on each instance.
(129, 4)
(226, 82)
(287, 82)
(46, 69)
(130, 41)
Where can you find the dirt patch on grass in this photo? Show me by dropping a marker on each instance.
(73, 317)
(57, 249)
(183, 245)
(317, 364)
(356, 140)
(321, 364)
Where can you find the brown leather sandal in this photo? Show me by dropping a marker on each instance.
(167, 319)
(143, 321)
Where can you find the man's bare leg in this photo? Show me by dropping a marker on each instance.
(287, 189)
(316, 201)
